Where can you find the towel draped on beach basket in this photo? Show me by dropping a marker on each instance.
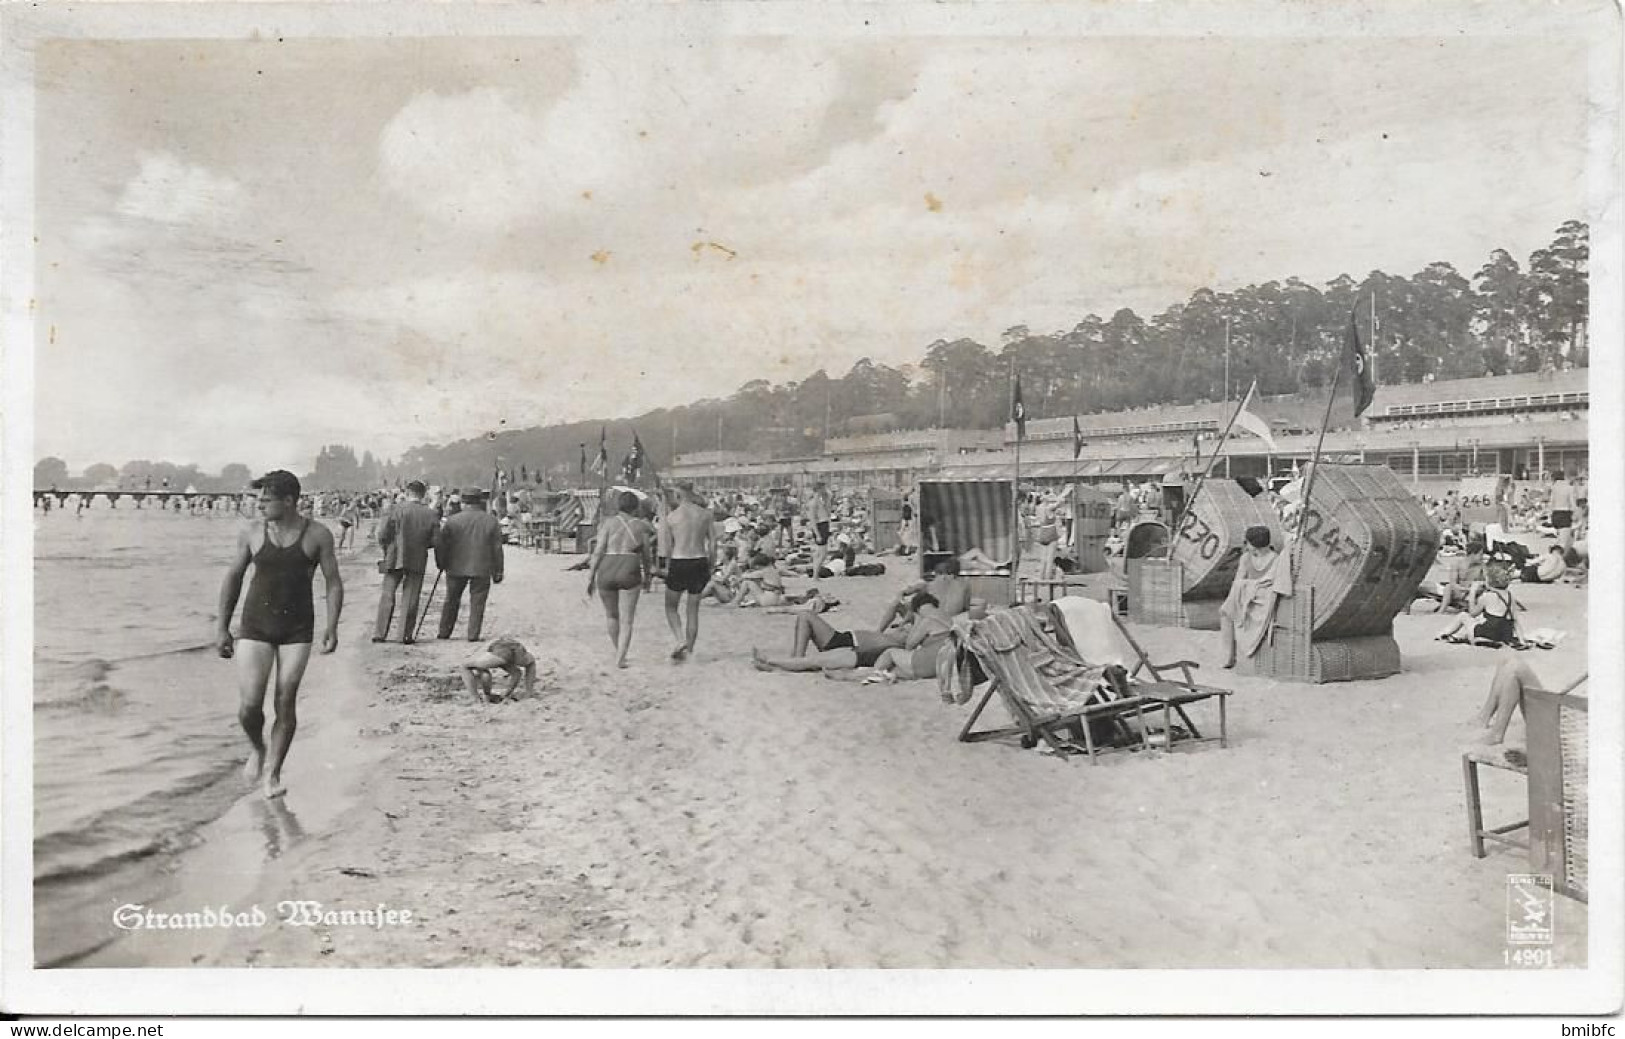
(1367, 544)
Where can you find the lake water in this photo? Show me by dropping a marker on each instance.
(135, 717)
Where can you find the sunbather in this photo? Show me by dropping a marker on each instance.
(917, 656)
(1512, 677)
(1499, 626)
(834, 650)
(1244, 615)
(951, 591)
(763, 585)
(1550, 568)
(978, 562)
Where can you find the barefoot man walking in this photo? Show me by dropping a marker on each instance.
(279, 616)
(688, 544)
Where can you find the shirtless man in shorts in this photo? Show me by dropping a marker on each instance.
(279, 617)
(687, 542)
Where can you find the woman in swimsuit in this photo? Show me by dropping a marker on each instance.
(1499, 623)
(622, 569)
(762, 585)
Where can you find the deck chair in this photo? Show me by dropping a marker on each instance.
(1094, 631)
(1054, 696)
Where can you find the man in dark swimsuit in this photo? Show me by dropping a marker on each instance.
(279, 616)
(687, 541)
(834, 650)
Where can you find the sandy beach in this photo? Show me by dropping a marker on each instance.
(707, 815)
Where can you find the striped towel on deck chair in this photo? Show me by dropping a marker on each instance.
(1030, 666)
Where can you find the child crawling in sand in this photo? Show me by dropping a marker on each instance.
(511, 656)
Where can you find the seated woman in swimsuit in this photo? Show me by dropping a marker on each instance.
(763, 585)
(622, 568)
(834, 650)
(1499, 626)
(724, 583)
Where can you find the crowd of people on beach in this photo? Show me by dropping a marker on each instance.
(737, 550)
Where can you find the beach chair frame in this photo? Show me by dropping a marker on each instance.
(1554, 764)
(1070, 733)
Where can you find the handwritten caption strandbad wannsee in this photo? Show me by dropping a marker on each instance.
(290, 912)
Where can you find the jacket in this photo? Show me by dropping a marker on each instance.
(470, 545)
(407, 534)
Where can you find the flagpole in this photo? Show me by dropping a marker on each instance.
(1015, 498)
(1211, 458)
(1314, 461)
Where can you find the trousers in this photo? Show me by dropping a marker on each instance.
(479, 588)
(411, 586)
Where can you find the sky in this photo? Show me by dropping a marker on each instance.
(250, 248)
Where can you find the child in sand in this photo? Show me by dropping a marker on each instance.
(506, 653)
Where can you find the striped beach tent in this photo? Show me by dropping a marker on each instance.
(970, 514)
(569, 515)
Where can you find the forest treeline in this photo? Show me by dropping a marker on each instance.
(1438, 323)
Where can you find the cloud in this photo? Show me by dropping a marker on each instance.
(169, 191)
(633, 128)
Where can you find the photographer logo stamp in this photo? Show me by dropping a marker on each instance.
(1530, 907)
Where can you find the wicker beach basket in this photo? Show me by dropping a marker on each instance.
(1091, 527)
(1366, 545)
(1212, 534)
(1576, 802)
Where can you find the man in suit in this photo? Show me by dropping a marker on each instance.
(469, 550)
(407, 534)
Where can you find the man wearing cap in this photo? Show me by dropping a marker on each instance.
(469, 551)
(407, 534)
(279, 616)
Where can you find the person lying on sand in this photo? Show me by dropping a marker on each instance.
(506, 653)
(810, 601)
(835, 650)
(917, 657)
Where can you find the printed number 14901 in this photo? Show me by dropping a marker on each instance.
(1526, 957)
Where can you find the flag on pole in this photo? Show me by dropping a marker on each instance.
(583, 461)
(1018, 411)
(633, 468)
(1355, 378)
(1253, 422)
(1365, 379)
(600, 465)
(1077, 439)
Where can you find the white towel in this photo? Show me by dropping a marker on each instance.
(1093, 631)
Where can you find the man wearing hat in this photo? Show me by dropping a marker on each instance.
(407, 533)
(469, 552)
